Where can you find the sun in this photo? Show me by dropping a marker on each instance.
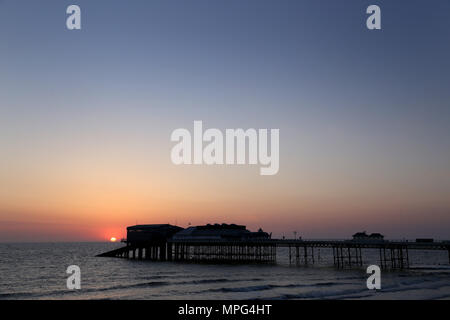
(113, 239)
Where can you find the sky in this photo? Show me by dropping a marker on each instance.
(86, 116)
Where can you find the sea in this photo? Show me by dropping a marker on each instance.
(38, 271)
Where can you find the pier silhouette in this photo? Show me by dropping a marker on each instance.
(235, 244)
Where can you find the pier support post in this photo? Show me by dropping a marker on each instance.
(402, 265)
(169, 251)
(392, 259)
(407, 257)
(349, 257)
(305, 248)
(290, 258)
(162, 252)
(382, 262)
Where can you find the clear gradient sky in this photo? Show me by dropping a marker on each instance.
(86, 116)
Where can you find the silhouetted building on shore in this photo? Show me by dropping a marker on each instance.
(164, 232)
(363, 236)
(151, 233)
(220, 232)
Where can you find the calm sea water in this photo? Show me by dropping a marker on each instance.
(38, 271)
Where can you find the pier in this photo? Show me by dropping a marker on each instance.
(392, 254)
(237, 245)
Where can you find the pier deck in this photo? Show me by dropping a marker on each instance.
(392, 254)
